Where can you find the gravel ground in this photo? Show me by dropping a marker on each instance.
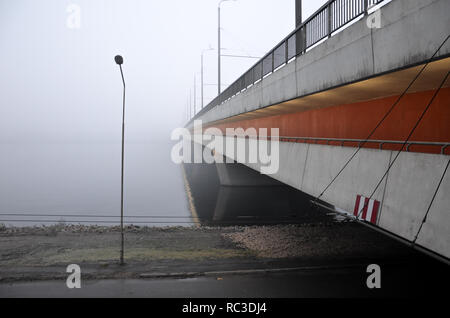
(32, 252)
(309, 241)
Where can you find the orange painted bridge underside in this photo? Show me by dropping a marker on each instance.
(357, 120)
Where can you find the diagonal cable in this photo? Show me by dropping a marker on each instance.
(405, 142)
(362, 144)
(431, 203)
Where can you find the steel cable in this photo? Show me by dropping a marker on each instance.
(405, 142)
(383, 119)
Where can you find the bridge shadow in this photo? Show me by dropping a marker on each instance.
(215, 204)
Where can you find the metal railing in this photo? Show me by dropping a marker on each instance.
(360, 142)
(331, 17)
(381, 143)
(342, 141)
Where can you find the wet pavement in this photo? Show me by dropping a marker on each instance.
(397, 281)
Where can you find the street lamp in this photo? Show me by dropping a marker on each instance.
(203, 52)
(195, 94)
(119, 61)
(298, 13)
(218, 46)
(188, 110)
(190, 103)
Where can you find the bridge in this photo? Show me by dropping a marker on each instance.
(360, 94)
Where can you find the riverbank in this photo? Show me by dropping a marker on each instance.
(38, 253)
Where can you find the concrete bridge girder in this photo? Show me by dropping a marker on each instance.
(407, 38)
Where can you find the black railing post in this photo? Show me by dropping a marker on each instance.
(366, 7)
(300, 41)
(330, 29)
(286, 51)
(273, 60)
(305, 38)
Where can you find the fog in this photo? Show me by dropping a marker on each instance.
(61, 86)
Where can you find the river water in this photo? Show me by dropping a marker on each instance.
(80, 183)
(66, 180)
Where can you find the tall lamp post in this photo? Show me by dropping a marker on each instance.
(119, 61)
(298, 13)
(190, 103)
(195, 95)
(188, 110)
(218, 47)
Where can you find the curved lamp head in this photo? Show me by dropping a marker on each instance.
(221, 1)
(118, 59)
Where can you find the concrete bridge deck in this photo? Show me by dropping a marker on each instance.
(355, 65)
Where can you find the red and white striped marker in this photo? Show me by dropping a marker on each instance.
(369, 209)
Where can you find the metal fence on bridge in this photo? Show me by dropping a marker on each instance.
(331, 17)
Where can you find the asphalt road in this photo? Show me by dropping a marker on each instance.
(396, 281)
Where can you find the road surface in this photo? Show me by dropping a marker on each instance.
(396, 281)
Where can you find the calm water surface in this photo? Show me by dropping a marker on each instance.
(84, 179)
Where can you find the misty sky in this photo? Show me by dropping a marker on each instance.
(61, 85)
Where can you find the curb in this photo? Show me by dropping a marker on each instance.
(241, 272)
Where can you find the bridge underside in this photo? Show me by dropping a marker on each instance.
(407, 191)
(352, 111)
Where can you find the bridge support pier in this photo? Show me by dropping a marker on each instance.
(238, 175)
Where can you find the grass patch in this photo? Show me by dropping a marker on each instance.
(141, 254)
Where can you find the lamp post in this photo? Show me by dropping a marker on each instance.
(188, 110)
(119, 61)
(202, 71)
(195, 95)
(218, 47)
(298, 13)
(190, 103)
(242, 56)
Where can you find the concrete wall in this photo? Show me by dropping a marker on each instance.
(404, 195)
(411, 185)
(411, 32)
